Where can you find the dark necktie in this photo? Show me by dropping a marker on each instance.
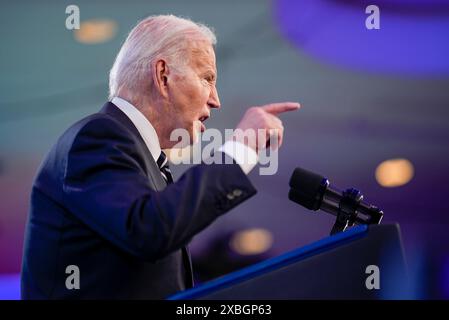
(162, 162)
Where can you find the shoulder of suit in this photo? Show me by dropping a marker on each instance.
(97, 126)
(98, 123)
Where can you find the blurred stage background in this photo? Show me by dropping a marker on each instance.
(367, 96)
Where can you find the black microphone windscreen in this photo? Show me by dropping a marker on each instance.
(307, 188)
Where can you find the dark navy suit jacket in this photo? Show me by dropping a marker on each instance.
(99, 202)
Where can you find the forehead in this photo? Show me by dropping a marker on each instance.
(202, 55)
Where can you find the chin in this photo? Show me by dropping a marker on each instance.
(187, 135)
(195, 132)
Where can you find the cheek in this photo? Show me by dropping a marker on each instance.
(190, 98)
(198, 93)
(197, 99)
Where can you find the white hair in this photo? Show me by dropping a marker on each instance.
(155, 37)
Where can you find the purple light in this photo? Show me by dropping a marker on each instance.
(413, 39)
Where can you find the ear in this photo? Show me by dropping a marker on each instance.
(160, 77)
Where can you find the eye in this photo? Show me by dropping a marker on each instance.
(210, 78)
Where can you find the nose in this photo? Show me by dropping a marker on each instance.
(213, 102)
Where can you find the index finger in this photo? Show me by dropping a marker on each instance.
(279, 107)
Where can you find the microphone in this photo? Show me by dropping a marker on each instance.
(314, 192)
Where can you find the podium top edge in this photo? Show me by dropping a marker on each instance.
(257, 269)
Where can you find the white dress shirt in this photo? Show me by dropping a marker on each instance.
(245, 156)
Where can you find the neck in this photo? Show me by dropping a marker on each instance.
(153, 112)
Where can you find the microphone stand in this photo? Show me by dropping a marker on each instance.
(350, 211)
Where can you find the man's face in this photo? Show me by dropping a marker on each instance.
(192, 93)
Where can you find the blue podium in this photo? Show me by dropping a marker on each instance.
(364, 262)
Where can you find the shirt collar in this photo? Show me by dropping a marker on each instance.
(142, 124)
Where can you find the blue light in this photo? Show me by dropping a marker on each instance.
(413, 38)
(10, 287)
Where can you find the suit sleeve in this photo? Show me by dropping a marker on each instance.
(106, 187)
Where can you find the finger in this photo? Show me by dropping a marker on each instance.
(276, 121)
(273, 121)
(275, 137)
(279, 107)
(281, 138)
(275, 132)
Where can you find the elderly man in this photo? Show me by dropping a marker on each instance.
(106, 219)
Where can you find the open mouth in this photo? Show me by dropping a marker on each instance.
(202, 120)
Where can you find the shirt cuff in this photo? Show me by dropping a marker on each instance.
(245, 156)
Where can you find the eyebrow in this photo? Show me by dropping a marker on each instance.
(210, 71)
